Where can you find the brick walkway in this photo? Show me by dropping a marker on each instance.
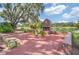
(31, 45)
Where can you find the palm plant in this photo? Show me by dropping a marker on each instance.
(37, 29)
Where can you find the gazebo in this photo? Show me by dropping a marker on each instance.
(46, 25)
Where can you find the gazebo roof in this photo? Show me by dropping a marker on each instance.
(46, 23)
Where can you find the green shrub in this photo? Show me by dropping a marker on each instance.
(1, 29)
(23, 29)
(5, 27)
(11, 43)
(77, 25)
(36, 28)
(75, 39)
(42, 33)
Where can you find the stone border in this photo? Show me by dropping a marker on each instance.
(68, 39)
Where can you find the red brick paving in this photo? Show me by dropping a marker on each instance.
(31, 45)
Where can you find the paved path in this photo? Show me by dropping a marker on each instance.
(31, 45)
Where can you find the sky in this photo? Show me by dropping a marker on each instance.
(59, 12)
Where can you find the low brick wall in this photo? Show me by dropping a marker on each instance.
(68, 39)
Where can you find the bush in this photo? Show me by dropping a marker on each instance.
(11, 43)
(42, 33)
(24, 30)
(75, 37)
(5, 27)
(1, 29)
(36, 28)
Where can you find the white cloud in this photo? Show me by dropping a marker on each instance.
(54, 4)
(41, 19)
(55, 9)
(45, 3)
(73, 14)
(63, 21)
(75, 8)
(66, 15)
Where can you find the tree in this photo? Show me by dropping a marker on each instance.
(33, 12)
(77, 25)
(14, 13)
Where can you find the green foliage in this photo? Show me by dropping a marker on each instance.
(19, 12)
(75, 38)
(70, 24)
(42, 33)
(36, 28)
(35, 25)
(11, 43)
(64, 29)
(1, 29)
(5, 27)
(77, 25)
(24, 30)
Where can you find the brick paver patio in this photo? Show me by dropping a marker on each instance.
(32, 45)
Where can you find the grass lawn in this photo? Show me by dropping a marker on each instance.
(64, 29)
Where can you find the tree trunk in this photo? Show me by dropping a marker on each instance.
(14, 27)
